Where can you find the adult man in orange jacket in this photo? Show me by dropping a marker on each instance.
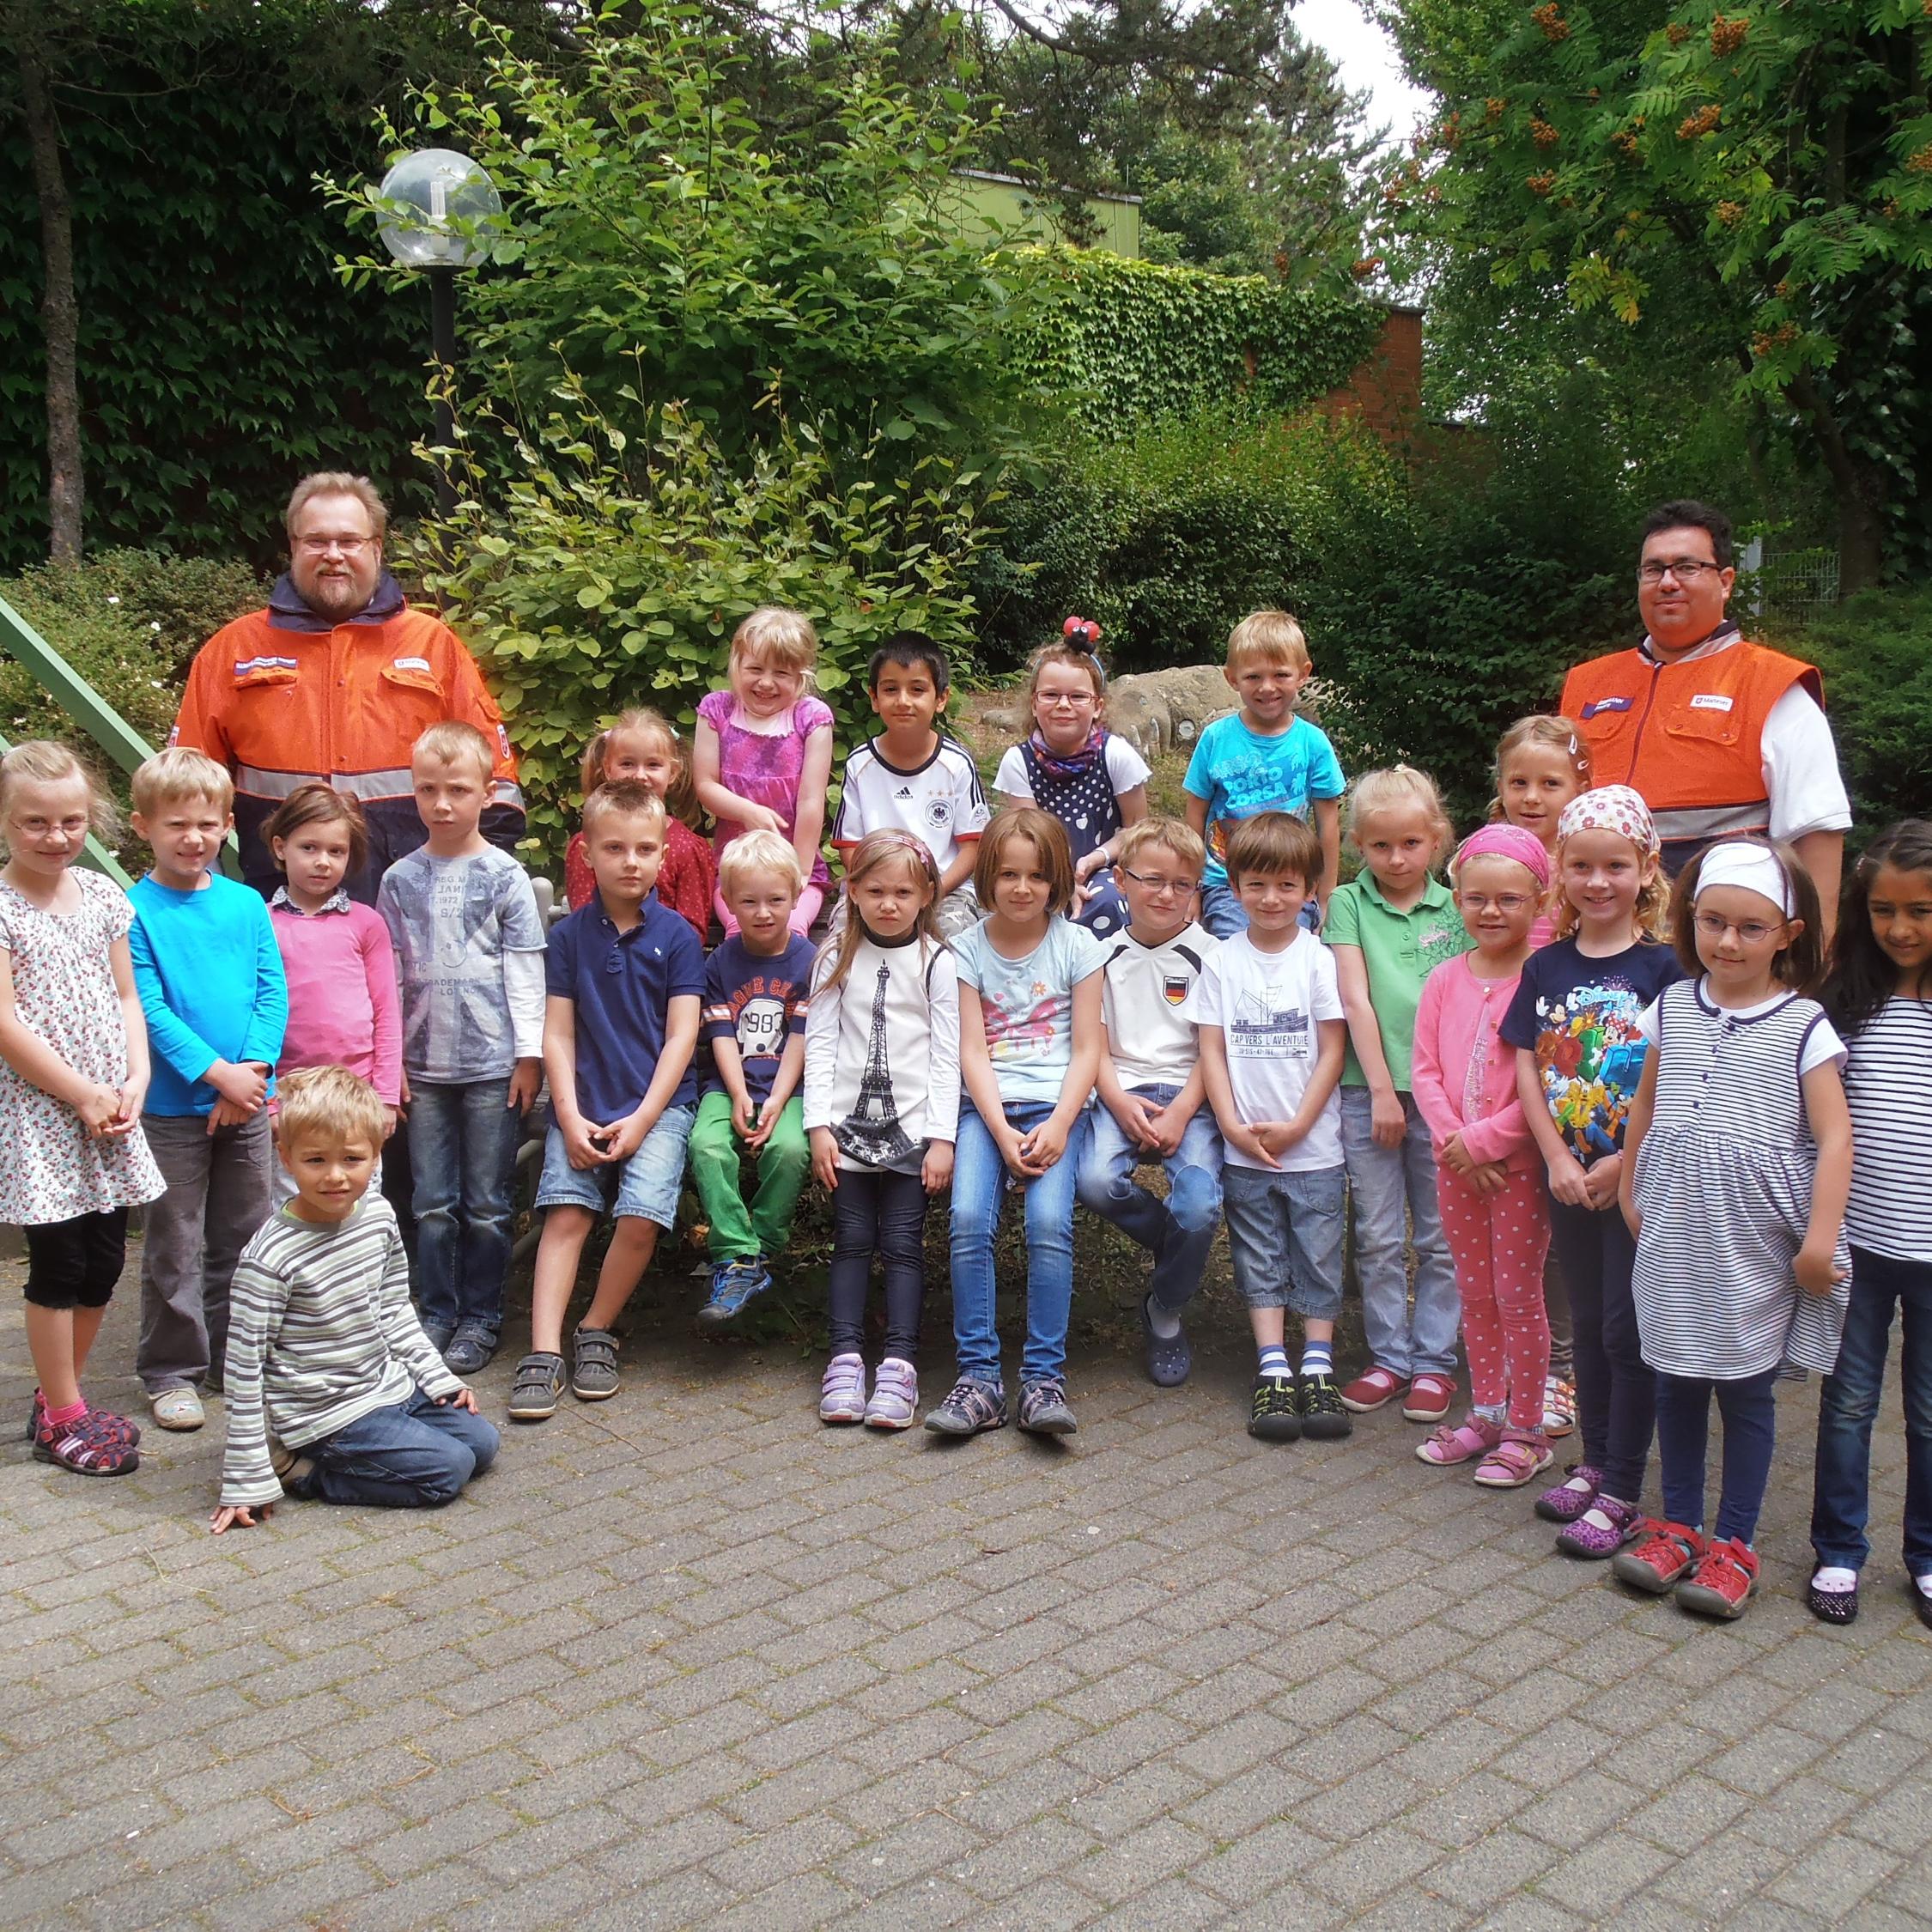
(335, 680)
(1718, 735)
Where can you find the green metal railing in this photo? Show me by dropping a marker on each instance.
(94, 716)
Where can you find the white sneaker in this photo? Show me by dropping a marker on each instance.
(841, 1394)
(895, 1395)
(178, 1408)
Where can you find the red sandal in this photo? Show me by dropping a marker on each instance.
(84, 1446)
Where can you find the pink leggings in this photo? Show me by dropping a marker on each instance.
(803, 914)
(1498, 1243)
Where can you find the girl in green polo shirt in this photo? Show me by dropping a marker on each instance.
(1391, 926)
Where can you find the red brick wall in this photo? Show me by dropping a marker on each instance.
(1385, 392)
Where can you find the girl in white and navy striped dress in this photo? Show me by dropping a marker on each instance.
(1881, 975)
(1741, 1147)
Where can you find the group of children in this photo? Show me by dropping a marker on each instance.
(1045, 1000)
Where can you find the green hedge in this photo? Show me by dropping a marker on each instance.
(1127, 340)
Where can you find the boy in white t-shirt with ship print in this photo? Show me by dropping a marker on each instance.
(1273, 1035)
(1153, 1104)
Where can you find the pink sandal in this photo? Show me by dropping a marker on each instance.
(1518, 1458)
(1448, 1446)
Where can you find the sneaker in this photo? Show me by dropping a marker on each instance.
(1169, 1359)
(1601, 1530)
(1515, 1462)
(84, 1446)
(841, 1389)
(1464, 1442)
(972, 1406)
(440, 1333)
(1043, 1408)
(1374, 1391)
(594, 1365)
(1572, 1496)
(733, 1284)
(538, 1384)
(470, 1350)
(1659, 1555)
(1318, 1403)
(1559, 1406)
(1428, 1398)
(1274, 1415)
(179, 1409)
(1724, 1581)
(895, 1395)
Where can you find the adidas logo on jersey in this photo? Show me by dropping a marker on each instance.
(904, 791)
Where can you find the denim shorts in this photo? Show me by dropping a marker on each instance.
(1284, 1237)
(646, 1185)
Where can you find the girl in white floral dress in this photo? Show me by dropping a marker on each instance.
(73, 1071)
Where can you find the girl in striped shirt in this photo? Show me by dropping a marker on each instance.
(1740, 1161)
(1877, 995)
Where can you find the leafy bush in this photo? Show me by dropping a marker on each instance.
(1126, 341)
(1875, 653)
(130, 623)
(618, 569)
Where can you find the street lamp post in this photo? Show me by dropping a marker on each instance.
(436, 210)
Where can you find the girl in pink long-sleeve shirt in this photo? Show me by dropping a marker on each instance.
(1488, 1176)
(338, 954)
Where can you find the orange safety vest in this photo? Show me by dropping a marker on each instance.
(1687, 737)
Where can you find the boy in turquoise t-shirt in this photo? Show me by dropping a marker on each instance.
(1265, 758)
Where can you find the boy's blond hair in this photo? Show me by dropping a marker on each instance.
(1175, 834)
(629, 796)
(328, 1100)
(785, 635)
(1400, 788)
(1272, 635)
(450, 741)
(759, 851)
(1272, 843)
(170, 776)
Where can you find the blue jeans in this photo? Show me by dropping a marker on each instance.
(416, 1455)
(979, 1191)
(1395, 1197)
(1221, 913)
(1178, 1231)
(1749, 1408)
(462, 1151)
(1849, 1406)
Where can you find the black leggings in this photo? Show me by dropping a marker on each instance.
(878, 1208)
(76, 1264)
(1616, 1393)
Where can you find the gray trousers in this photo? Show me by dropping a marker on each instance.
(217, 1196)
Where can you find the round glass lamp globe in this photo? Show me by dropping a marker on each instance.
(438, 208)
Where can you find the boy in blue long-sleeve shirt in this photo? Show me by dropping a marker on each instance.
(210, 976)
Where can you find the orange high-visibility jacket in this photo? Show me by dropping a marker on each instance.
(280, 706)
(1687, 737)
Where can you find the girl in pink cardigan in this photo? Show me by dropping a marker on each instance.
(1488, 1176)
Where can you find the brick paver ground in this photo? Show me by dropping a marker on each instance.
(689, 1658)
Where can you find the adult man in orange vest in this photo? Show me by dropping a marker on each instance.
(335, 680)
(1718, 735)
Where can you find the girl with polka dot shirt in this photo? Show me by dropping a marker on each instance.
(1071, 765)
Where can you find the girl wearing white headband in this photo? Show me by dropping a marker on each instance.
(1739, 1146)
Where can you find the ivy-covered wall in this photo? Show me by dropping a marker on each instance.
(1131, 340)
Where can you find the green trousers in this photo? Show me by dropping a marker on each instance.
(739, 1233)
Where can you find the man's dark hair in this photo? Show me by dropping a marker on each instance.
(910, 650)
(1690, 515)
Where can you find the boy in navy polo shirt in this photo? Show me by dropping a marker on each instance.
(625, 978)
(756, 989)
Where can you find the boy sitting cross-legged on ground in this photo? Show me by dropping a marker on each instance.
(626, 979)
(1153, 1103)
(755, 987)
(334, 1392)
(1273, 1034)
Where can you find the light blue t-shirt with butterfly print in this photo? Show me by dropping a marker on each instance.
(1028, 1005)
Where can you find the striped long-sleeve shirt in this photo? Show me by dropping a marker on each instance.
(320, 1333)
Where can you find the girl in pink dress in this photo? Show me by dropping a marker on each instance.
(762, 753)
